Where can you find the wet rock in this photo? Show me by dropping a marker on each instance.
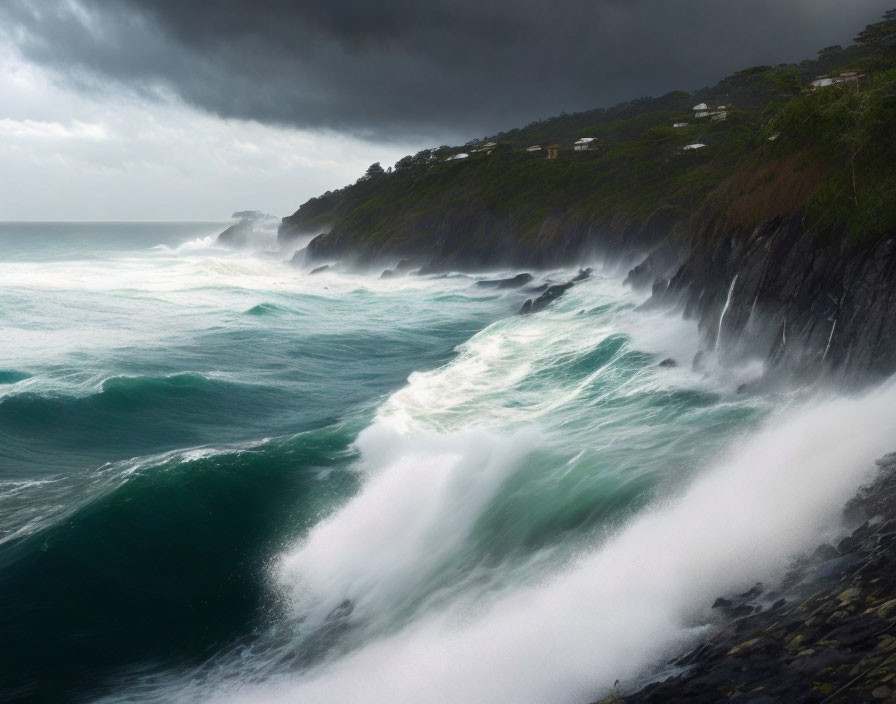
(319, 269)
(825, 552)
(754, 591)
(517, 281)
(582, 275)
(668, 363)
(829, 635)
(550, 295)
(388, 274)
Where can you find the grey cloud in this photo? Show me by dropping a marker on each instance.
(409, 69)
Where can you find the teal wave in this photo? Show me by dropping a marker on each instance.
(11, 376)
(176, 554)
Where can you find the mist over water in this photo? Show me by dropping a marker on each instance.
(225, 479)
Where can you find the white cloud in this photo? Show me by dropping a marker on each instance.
(64, 155)
(25, 129)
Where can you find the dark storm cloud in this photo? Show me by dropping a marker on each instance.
(409, 68)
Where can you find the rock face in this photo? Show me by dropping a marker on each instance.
(459, 241)
(828, 634)
(808, 302)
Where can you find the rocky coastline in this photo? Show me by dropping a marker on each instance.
(826, 635)
(812, 303)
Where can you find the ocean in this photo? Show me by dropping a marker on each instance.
(223, 479)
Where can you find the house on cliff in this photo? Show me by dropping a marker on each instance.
(554, 150)
(585, 144)
(845, 77)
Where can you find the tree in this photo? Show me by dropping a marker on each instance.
(879, 34)
(789, 81)
(374, 170)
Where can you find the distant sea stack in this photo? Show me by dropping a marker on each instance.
(250, 227)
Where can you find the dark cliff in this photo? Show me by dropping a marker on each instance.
(808, 301)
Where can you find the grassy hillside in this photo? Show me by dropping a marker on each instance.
(782, 147)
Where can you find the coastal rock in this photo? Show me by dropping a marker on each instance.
(319, 269)
(517, 281)
(551, 294)
(828, 635)
(252, 227)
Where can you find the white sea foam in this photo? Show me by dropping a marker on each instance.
(622, 605)
(433, 488)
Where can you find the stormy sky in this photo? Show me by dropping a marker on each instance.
(202, 108)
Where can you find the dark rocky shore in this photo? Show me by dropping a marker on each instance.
(826, 635)
(810, 302)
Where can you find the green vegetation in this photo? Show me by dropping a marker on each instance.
(782, 147)
(849, 129)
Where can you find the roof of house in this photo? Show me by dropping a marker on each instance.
(701, 106)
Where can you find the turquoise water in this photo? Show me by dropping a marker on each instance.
(222, 479)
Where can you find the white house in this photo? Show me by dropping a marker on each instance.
(584, 144)
(462, 155)
(534, 148)
(720, 116)
(701, 110)
(678, 125)
(693, 147)
(845, 77)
